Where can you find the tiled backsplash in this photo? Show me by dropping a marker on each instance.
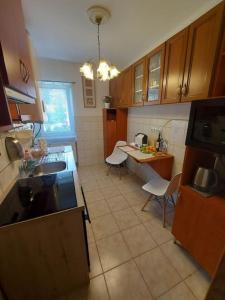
(8, 170)
(173, 130)
(89, 140)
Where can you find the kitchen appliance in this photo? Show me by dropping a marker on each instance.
(140, 139)
(34, 197)
(206, 180)
(206, 127)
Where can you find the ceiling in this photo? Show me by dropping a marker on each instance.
(60, 29)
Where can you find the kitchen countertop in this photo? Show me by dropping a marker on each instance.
(69, 175)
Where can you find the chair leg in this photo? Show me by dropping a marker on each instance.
(164, 211)
(108, 171)
(148, 200)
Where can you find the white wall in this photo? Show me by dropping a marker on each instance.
(88, 120)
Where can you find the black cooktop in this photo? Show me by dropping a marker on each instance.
(38, 196)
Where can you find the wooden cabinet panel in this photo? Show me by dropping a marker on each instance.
(139, 82)
(199, 224)
(176, 48)
(15, 61)
(202, 47)
(126, 87)
(5, 118)
(155, 66)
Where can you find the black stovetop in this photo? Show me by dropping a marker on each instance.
(38, 196)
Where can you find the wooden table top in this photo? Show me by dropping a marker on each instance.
(142, 159)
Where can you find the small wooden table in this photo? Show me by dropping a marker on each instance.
(162, 163)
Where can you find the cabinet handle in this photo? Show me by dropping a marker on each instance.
(27, 75)
(22, 70)
(179, 90)
(184, 90)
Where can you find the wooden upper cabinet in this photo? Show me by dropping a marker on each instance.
(139, 82)
(202, 48)
(15, 61)
(155, 69)
(126, 87)
(176, 48)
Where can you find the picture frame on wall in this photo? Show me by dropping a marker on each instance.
(89, 93)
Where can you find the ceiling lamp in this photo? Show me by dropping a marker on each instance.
(99, 15)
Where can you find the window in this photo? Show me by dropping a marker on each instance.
(59, 110)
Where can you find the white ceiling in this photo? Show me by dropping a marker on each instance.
(60, 29)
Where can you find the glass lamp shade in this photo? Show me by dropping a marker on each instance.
(113, 72)
(87, 71)
(103, 71)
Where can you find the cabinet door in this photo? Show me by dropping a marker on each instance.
(176, 48)
(24, 51)
(155, 65)
(15, 61)
(125, 87)
(113, 89)
(139, 82)
(202, 47)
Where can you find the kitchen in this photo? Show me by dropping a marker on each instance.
(73, 226)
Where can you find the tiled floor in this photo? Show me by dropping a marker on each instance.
(132, 256)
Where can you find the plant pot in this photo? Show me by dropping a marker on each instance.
(107, 105)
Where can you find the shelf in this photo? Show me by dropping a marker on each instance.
(154, 86)
(139, 76)
(138, 91)
(155, 69)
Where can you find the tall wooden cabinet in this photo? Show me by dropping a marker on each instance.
(114, 128)
(15, 61)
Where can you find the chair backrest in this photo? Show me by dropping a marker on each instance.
(119, 144)
(174, 185)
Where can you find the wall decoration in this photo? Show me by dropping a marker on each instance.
(89, 92)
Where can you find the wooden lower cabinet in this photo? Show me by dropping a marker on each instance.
(44, 258)
(199, 225)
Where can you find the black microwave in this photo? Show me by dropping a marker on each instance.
(206, 127)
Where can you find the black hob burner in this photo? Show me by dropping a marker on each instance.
(38, 196)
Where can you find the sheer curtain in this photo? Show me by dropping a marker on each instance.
(59, 123)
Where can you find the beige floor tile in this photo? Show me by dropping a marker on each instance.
(126, 283)
(179, 258)
(104, 226)
(134, 198)
(117, 203)
(95, 265)
(138, 240)
(179, 292)
(110, 192)
(145, 216)
(158, 273)
(93, 196)
(159, 234)
(90, 186)
(126, 218)
(126, 188)
(199, 283)
(97, 209)
(90, 234)
(96, 290)
(112, 251)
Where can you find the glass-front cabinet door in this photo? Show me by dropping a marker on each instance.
(139, 73)
(155, 67)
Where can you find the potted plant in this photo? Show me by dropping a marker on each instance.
(107, 101)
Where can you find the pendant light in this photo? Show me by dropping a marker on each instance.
(105, 71)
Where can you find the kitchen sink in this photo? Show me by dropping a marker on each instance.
(49, 168)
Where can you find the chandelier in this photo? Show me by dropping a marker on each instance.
(105, 71)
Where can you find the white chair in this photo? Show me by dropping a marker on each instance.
(160, 188)
(117, 158)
